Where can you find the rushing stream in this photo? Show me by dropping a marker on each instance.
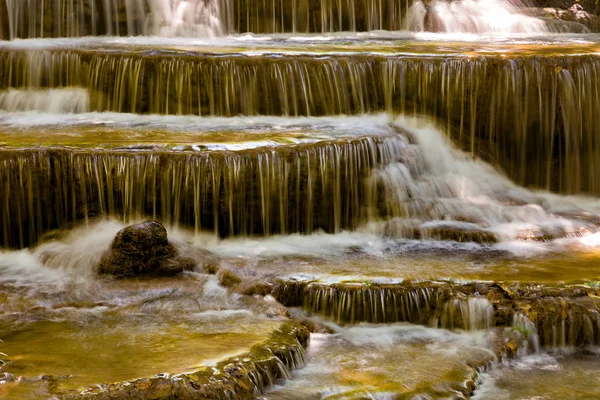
(349, 199)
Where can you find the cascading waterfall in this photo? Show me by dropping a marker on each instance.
(299, 188)
(379, 173)
(73, 100)
(471, 16)
(534, 117)
(404, 182)
(75, 18)
(208, 18)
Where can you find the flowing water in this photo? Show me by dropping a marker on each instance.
(363, 362)
(415, 183)
(544, 377)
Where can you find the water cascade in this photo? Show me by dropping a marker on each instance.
(480, 16)
(209, 18)
(544, 103)
(71, 100)
(76, 18)
(191, 190)
(259, 191)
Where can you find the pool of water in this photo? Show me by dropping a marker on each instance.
(343, 42)
(63, 329)
(388, 361)
(544, 377)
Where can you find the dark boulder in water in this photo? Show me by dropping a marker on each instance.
(143, 249)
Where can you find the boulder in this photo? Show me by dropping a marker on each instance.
(143, 249)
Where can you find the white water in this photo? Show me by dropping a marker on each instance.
(66, 100)
(472, 16)
(214, 18)
(384, 362)
(440, 187)
(191, 18)
(197, 18)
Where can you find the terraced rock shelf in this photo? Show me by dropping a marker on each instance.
(303, 199)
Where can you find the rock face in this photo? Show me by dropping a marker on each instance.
(143, 249)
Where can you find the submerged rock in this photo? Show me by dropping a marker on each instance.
(143, 249)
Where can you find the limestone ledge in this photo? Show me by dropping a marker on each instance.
(242, 376)
(560, 315)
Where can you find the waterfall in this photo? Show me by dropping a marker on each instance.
(209, 18)
(68, 100)
(472, 16)
(264, 191)
(404, 181)
(75, 18)
(535, 117)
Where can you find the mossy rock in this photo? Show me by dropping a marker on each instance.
(143, 249)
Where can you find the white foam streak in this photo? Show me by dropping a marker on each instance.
(188, 18)
(66, 100)
(359, 125)
(446, 188)
(61, 260)
(472, 16)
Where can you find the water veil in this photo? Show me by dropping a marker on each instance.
(214, 18)
(291, 199)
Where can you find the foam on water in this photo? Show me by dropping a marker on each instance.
(69, 257)
(453, 42)
(384, 361)
(548, 376)
(359, 125)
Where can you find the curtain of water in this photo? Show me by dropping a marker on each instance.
(75, 18)
(298, 188)
(535, 117)
(319, 16)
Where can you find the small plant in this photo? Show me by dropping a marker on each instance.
(523, 330)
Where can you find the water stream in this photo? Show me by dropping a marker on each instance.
(361, 199)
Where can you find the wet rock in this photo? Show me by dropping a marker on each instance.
(400, 228)
(270, 308)
(458, 232)
(559, 315)
(177, 265)
(245, 377)
(211, 268)
(578, 17)
(6, 377)
(257, 288)
(143, 249)
(228, 279)
(312, 325)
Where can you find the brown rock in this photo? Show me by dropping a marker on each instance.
(228, 279)
(143, 249)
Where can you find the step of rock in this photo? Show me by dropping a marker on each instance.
(559, 316)
(494, 123)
